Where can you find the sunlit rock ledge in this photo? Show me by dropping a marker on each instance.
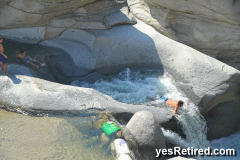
(37, 94)
(212, 27)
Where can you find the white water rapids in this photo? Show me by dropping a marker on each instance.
(134, 86)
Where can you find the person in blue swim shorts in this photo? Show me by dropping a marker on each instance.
(27, 59)
(174, 103)
(3, 57)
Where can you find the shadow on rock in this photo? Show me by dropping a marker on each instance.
(14, 79)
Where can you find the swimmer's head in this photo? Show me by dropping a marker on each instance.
(180, 103)
(21, 51)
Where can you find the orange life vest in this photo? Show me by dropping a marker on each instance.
(173, 103)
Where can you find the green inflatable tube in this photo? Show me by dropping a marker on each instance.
(110, 127)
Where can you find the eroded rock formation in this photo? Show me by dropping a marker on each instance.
(148, 135)
(211, 26)
(208, 82)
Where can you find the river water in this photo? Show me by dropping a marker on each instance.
(131, 86)
(51, 136)
(66, 136)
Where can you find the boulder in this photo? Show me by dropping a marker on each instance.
(147, 133)
(223, 120)
(213, 27)
(98, 15)
(44, 95)
(33, 13)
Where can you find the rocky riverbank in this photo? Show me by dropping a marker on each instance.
(104, 37)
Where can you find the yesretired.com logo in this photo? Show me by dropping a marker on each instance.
(190, 151)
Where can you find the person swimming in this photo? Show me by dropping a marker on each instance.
(27, 59)
(174, 103)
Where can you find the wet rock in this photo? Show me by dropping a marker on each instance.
(223, 120)
(147, 133)
(65, 71)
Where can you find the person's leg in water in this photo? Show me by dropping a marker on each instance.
(5, 68)
(152, 99)
(36, 61)
(34, 65)
(1, 65)
(33, 60)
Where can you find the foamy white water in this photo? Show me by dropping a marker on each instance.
(134, 86)
(230, 142)
(128, 86)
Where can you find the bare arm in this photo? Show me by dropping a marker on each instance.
(1, 49)
(175, 110)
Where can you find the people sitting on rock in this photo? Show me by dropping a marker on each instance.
(174, 103)
(27, 59)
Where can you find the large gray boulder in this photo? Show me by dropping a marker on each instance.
(212, 27)
(40, 20)
(32, 13)
(222, 120)
(37, 94)
(147, 133)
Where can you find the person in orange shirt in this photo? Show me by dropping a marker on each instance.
(174, 103)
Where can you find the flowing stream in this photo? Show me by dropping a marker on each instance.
(131, 86)
(62, 135)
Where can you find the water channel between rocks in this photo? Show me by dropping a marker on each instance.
(66, 136)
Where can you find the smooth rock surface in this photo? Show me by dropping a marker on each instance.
(44, 95)
(211, 26)
(224, 119)
(33, 13)
(147, 133)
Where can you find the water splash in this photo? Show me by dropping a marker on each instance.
(230, 142)
(134, 86)
(128, 86)
(192, 122)
(194, 126)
